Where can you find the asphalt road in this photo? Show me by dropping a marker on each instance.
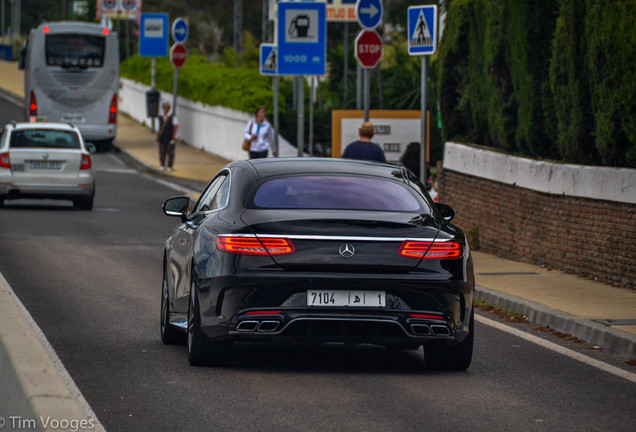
(92, 280)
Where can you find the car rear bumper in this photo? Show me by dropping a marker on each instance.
(417, 310)
(97, 132)
(15, 190)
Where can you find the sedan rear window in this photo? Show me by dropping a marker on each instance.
(335, 193)
(44, 138)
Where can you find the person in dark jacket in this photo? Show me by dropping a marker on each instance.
(363, 148)
(167, 136)
(411, 160)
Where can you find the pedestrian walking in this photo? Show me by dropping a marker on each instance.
(363, 148)
(259, 135)
(167, 137)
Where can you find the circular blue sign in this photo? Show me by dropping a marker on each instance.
(180, 30)
(369, 13)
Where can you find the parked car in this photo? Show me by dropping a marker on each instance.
(324, 250)
(45, 160)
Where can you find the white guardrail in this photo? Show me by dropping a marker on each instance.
(216, 129)
(601, 183)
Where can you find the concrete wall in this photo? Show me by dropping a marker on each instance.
(575, 218)
(215, 129)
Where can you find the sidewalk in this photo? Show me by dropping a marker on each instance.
(597, 313)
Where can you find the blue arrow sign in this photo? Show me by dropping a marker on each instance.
(422, 26)
(302, 38)
(153, 35)
(269, 59)
(180, 30)
(369, 13)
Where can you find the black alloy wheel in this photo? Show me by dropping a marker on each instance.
(451, 355)
(169, 334)
(201, 350)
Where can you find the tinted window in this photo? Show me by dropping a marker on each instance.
(207, 200)
(44, 138)
(335, 193)
(74, 50)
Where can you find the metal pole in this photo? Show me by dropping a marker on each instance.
(3, 26)
(174, 91)
(127, 38)
(358, 87)
(423, 121)
(300, 139)
(346, 61)
(275, 85)
(367, 94)
(153, 68)
(311, 118)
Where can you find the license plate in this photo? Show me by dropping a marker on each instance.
(346, 298)
(45, 164)
(72, 118)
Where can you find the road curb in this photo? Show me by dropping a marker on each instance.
(592, 332)
(36, 388)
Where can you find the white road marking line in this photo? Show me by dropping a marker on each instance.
(11, 99)
(173, 186)
(559, 349)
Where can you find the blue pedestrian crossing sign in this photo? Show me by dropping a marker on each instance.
(269, 59)
(422, 26)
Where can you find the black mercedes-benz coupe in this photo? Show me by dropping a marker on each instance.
(317, 250)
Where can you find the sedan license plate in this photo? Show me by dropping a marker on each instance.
(37, 164)
(346, 298)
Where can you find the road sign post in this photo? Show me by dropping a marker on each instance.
(422, 40)
(269, 67)
(153, 42)
(368, 50)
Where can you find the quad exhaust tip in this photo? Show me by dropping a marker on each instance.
(421, 329)
(261, 326)
(246, 326)
(439, 330)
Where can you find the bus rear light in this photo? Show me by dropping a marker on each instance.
(86, 162)
(431, 250)
(105, 32)
(112, 112)
(5, 161)
(33, 105)
(45, 29)
(253, 246)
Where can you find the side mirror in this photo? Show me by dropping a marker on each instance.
(91, 147)
(446, 211)
(177, 206)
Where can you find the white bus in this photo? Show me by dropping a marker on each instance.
(72, 76)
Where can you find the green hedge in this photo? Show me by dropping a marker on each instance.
(200, 80)
(543, 78)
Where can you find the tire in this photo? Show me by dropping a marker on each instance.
(1, 202)
(84, 203)
(169, 334)
(451, 356)
(201, 350)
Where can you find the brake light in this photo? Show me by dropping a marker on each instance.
(254, 246)
(5, 161)
(431, 250)
(33, 105)
(112, 113)
(86, 162)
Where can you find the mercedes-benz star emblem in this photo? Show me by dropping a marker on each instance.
(45, 156)
(347, 250)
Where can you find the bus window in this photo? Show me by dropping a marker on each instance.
(74, 50)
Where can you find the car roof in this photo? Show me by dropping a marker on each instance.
(282, 166)
(43, 125)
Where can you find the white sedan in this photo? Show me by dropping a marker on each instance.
(45, 160)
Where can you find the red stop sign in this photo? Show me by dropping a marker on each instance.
(178, 55)
(368, 48)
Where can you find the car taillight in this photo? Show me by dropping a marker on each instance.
(86, 162)
(254, 246)
(431, 250)
(264, 312)
(5, 161)
(112, 112)
(33, 105)
(427, 316)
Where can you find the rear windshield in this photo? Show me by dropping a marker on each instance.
(74, 50)
(335, 193)
(44, 138)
